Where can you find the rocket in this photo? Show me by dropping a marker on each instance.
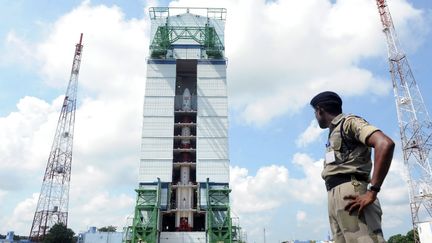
(185, 132)
(186, 106)
(184, 197)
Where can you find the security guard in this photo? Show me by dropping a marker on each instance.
(353, 207)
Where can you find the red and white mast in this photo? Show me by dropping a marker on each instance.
(415, 125)
(53, 200)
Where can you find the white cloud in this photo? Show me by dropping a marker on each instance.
(281, 53)
(108, 117)
(252, 193)
(263, 195)
(101, 209)
(394, 197)
(21, 217)
(113, 60)
(257, 198)
(396, 215)
(23, 135)
(412, 25)
(310, 135)
(310, 189)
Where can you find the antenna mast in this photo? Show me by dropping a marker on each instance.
(415, 125)
(53, 200)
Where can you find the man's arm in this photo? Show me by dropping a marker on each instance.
(383, 149)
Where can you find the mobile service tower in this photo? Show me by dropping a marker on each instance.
(183, 193)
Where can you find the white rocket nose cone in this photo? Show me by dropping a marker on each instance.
(187, 99)
(186, 92)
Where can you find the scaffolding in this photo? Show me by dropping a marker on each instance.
(204, 33)
(145, 222)
(219, 224)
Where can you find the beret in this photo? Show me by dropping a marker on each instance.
(326, 96)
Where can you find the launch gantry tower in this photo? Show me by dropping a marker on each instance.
(183, 193)
(415, 125)
(52, 207)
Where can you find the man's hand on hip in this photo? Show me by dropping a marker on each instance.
(359, 202)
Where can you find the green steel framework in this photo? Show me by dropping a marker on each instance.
(237, 232)
(163, 12)
(144, 227)
(219, 225)
(206, 36)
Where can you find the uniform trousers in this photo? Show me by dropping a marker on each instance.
(354, 228)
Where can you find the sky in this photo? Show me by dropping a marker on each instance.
(280, 54)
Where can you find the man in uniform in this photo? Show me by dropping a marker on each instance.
(353, 207)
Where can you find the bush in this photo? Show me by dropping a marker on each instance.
(408, 238)
(108, 229)
(59, 233)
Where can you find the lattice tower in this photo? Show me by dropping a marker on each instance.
(414, 122)
(53, 200)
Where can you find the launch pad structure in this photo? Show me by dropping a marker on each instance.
(183, 193)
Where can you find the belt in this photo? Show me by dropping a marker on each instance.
(336, 180)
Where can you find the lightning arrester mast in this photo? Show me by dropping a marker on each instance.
(415, 125)
(53, 200)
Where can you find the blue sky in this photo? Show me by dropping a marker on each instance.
(280, 53)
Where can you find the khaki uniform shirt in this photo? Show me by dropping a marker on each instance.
(353, 156)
